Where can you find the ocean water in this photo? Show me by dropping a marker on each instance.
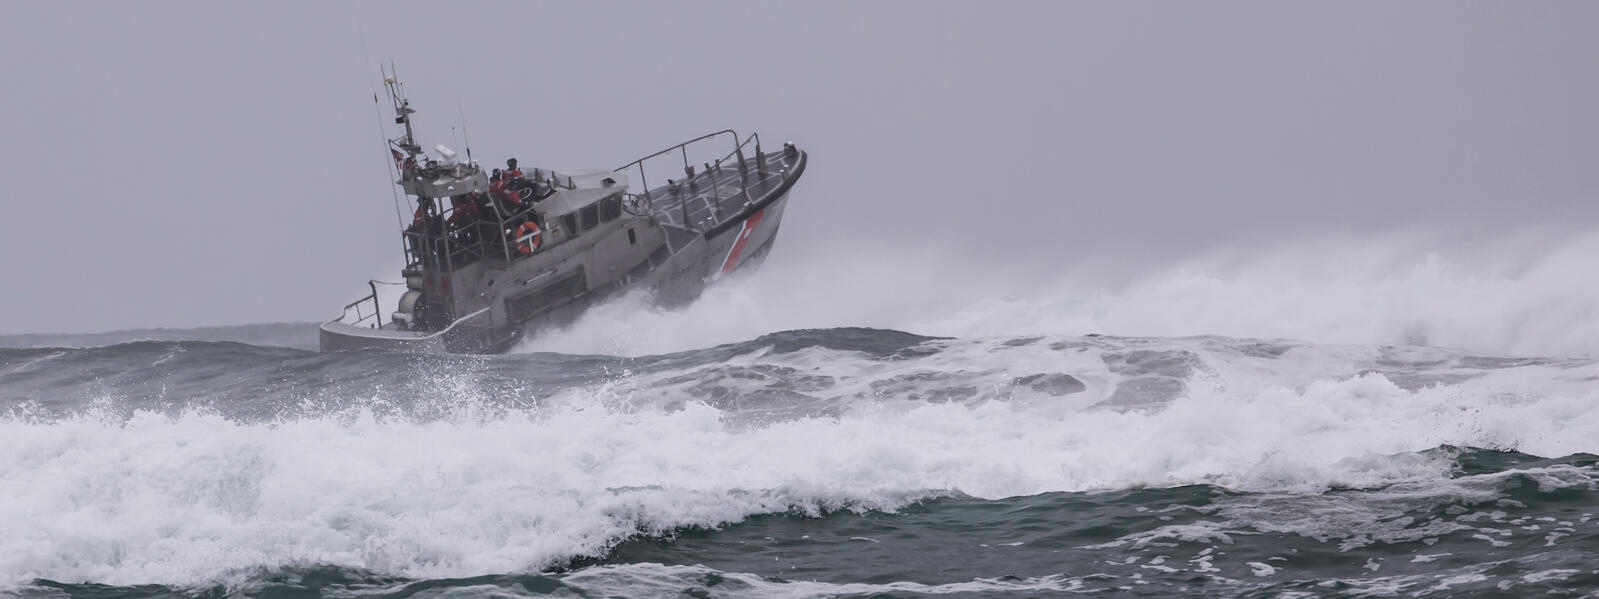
(1367, 437)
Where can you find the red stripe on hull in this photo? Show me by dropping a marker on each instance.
(744, 233)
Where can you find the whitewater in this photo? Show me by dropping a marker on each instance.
(1393, 417)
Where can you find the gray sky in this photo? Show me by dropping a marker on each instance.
(200, 163)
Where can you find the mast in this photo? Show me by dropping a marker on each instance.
(437, 248)
(402, 116)
(421, 293)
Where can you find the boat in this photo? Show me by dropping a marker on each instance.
(493, 256)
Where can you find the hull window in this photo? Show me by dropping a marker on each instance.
(632, 238)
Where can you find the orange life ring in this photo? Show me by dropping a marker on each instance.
(528, 238)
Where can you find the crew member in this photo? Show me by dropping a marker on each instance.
(484, 208)
(420, 218)
(516, 181)
(496, 183)
(463, 214)
(510, 200)
(423, 223)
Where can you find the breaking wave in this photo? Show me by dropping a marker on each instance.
(180, 485)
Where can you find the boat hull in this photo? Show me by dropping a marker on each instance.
(698, 259)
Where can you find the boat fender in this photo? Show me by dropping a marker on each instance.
(528, 238)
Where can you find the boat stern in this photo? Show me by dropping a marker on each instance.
(340, 336)
(468, 334)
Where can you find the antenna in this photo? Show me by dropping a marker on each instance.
(464, 134)
(388, 91)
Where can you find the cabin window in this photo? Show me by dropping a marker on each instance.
(570, 222)
(591, 216)
(610, 208)
(632, 238)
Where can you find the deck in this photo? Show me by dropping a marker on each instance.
(715, 195)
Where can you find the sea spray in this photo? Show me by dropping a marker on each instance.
(1527, 293)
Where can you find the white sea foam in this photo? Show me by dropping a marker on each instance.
(661, 580)
(182, 500)
(1527, 294)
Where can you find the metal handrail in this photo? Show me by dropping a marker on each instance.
(377, 309)
(683, 145)
(644, 180)
(360, 318)
(738, 148)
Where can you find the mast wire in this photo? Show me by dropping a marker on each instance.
(377, 109)
(392, 170)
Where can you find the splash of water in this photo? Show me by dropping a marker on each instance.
(1524, 294)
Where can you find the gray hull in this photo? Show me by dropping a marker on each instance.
(693, 232)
